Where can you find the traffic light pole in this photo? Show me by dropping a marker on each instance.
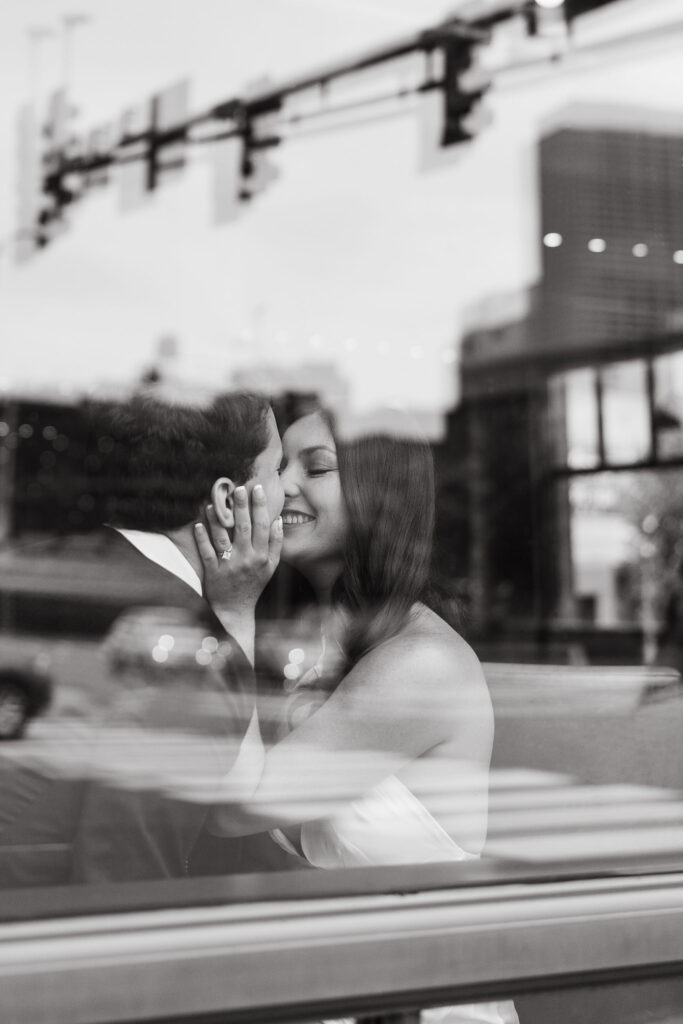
(455, 38)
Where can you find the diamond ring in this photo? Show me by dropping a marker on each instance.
(226, 555)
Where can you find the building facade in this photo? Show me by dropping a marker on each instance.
(588, 381)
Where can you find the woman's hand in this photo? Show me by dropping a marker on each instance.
(235, 572)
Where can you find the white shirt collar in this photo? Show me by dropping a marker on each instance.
(160, 549)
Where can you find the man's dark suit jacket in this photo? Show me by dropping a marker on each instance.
(92, 828)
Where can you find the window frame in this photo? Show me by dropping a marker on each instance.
(308, 958)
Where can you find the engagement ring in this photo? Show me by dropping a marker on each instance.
(226, 555)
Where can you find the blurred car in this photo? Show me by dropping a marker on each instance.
(152, 645)
(286, 649)
(155, 641)
(164, 640)
(25, 691)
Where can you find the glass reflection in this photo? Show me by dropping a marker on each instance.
(625, 412)
(574, 396)
(668, 401)
(469, 650)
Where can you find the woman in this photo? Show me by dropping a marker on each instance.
(389, 760)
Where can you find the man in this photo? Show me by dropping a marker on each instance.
(165, 464)
(132, 812)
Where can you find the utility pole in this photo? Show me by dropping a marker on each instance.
(37, 35)
(70, 22)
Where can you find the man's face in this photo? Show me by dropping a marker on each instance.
(266, 470)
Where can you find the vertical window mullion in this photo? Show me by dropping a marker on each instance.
(598, 405)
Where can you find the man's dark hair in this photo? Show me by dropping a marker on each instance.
(151, 464)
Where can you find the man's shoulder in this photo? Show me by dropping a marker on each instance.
(111, 543)
(115, 548)
(140, 580)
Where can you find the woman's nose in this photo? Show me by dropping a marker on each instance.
(289, 482)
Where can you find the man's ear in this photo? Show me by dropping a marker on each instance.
(222, 496)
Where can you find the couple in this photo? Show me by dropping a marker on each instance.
(388, 758)
(386, 761)
(397, 705)
(391, 731)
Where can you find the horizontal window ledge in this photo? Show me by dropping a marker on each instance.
(280, 961)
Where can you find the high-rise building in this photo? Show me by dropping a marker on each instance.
(590, 373)
(611, 194)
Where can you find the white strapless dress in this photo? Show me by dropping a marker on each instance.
(389, 825)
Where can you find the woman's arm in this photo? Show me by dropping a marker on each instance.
(401, 700)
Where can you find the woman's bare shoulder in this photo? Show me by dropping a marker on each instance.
(427, 635)
(427, 657)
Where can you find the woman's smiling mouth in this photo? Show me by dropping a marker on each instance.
(293, 518)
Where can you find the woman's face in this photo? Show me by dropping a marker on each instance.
(314, 516)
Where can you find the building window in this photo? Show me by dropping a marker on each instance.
(625, 413)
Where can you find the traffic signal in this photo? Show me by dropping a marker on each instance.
(463, 89)
(56, 191)
(242, 168)
(56, 196)
(257, 170)
(46, 186)
(152, 144)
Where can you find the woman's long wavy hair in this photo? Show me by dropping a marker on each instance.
(389, 491)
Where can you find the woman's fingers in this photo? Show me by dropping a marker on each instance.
(252, 529)
(234, 576)
(204, 546)
(260, 526)
(256, 543)
(242, 532)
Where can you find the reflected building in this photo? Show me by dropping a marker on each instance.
(611, 195)
(583, 376)
(297, 384)
(54, 479)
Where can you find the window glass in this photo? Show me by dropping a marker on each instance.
(605, 535)
(573, 399)
(668, 374)
(625, 410)
(341, 500)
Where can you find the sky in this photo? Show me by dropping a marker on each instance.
(355, 256)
